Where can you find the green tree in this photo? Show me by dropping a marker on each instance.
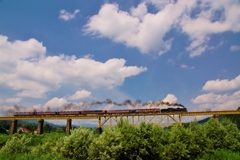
(107, 146)
(150, 142)
(46, 128)
(199, 142)
(232, 140)
(215, 132)
(16, 145)
(235, 118)
(179, 141)
(76, 145)
(2, 130)
(59, 130)
(30, 126)
(130, 140)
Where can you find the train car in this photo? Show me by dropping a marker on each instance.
(44, 113)
(93, 112)
(69, 112)
(148, 110)
(23, 113)
(121, 111)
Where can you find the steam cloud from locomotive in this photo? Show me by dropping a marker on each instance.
(88, 106)
(127, 102)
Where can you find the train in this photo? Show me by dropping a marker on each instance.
(99, 112)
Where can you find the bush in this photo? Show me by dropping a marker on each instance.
(16, 145)
(221, 155)
(32, 156)
(76, 145)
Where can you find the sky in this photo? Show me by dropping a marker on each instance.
(56, 53)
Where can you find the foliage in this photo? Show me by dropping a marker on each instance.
(221, 155)
(107, 146)
(179, 141)
(30, 126)
(234, 118)
(59, 130)
(2, 130)
(151, 141)
(5, 124)
(16, 145)
(32, 156)
(76, 145)
(3, 139)
(211, 140)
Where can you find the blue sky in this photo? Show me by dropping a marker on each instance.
(54, 53)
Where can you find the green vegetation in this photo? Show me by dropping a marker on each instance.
(234, 118)
(211, 140)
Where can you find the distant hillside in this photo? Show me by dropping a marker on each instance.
(204, 120)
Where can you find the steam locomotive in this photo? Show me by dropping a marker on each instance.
(99, 112)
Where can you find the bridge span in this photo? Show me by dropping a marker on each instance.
(108, 119)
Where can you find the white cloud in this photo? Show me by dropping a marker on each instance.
(138, 28)
(140, 11)
(13, 100)
(56, 103)
(210, 98)
(66, 16)
(218, 101)
(26, 69)
(235, 48)
(146, 31)
(171, 98)
(222, 85)
(229, 101)
(186, 66)
(214, 17)
(80, 95)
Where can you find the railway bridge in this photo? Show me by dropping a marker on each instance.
(109, 119)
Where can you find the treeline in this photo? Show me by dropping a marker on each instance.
(146, 142)
(47, 128)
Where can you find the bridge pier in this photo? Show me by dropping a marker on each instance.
(13, 128)
(216, 117)
(68, 126)
(40, 126)
(99, 128)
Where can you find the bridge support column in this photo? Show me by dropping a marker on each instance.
(180, 120)
(13, 128)
(99, 128)
(68, 126)
(216, 117)
(40, 126)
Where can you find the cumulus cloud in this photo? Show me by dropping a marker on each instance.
(80, 95)
(26, 69)
(235, 48)
(146, 31)
(218, 101)
(222, 85)
(171, 98)
(13, 100)
(66, 16)
(213, 17)
(56, 103)
(138, 28)
(210, 98)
